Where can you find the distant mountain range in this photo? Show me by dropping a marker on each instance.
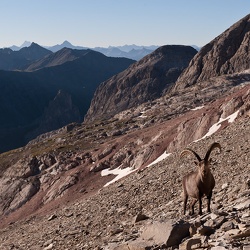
(133, 51)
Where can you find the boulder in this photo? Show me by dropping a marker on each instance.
(166, 233)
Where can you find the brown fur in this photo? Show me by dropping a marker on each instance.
(199, 183)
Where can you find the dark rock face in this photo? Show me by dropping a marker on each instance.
(226, 54)
(143, 81)
(60, 112)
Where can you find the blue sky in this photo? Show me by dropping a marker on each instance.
(102, 23)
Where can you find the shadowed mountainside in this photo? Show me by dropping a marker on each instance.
(17, 60)
(60, 57)
(25, 96)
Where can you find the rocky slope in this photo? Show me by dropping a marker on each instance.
(228, 53)
(143, 81)
(123, 215)
(52, 190)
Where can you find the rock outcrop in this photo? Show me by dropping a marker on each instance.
(143, 81)
(226, 54)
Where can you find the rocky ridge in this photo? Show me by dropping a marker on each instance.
(226, 54)
(18, 60)
(154, 75)
(58, 58)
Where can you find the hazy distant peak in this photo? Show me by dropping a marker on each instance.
(67, 43)
(26, 44)
(128, 48)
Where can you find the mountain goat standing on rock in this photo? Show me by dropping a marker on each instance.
(200, 182)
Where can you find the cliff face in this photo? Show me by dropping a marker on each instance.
(60, 112)
(143, 81)
(226, 54)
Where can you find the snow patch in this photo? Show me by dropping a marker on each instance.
(233, 116)
(160, 158)
(217, 125)
(197, 108)
(142, 115)
(120, 173)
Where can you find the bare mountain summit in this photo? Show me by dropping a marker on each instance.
(226, 54)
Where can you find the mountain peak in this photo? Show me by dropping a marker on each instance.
(25, 44)
(66, 43)
(34, 52)
(228, 53)
(145, 80)
(33, 44)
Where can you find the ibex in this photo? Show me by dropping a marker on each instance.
(200, 182)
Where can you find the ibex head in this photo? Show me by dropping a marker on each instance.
(203, 164)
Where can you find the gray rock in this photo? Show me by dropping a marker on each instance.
(140, 217)
(192, 243)
(243, 205)
(167, 233)
(131, 87)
